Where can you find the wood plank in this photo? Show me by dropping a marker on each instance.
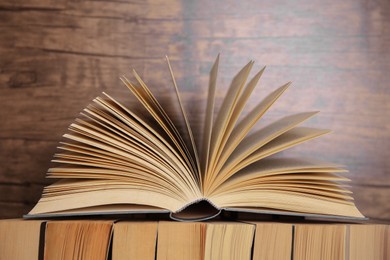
(25, 161)
(27, 194)
(45, 5)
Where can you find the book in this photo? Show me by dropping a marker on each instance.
(204, 241)
(134, 240)
(85, 239)
(368, 242)
(229, 240)
(177, 240)
(272, 241)
(319, 241)
(116, 160)
(21, 239)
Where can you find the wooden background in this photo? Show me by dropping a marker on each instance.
(57, 55)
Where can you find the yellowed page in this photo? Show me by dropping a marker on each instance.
(139, 135)
(145, 129)
(241, 129)
(274, 166)
(165, 122)
(368, 242)
(208, 125)
(118, 143)
(256, 140)
(179, 241)
(305, 188)
(134, 240)
(253, 187)
(319, 241)
(224, 116)
(131, 194)
(102, 136)
(126, 173)
(102, 180)
(272, 241)
(287, 201)
(100, 163)
(150, 103)
(77, 239)
(305, 176)
(318, 184)
(229, 241)
(116, 209)
(149, 154)
(239, 106)
(194, 157)
(145, 163)
(20, 239)
(84, 155)
(287, 140)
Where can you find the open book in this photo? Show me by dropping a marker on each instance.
(115, 161)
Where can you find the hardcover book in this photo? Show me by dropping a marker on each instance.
(116, 161)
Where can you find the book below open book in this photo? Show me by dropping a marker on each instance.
(116, 161)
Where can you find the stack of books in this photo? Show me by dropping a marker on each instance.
(140, 159)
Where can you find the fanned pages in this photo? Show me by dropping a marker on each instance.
(115, 161)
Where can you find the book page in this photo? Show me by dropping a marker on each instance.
(151, 104)
(134, 240)
(246, 124)
(109, 195)
(20, 239)
(256, 140)
(251, 187)
(167, 124)
(272, 241)
(288, 201)
(68, 239)
(133, 158)
(228, 241)
(368, 241)
(194, 157)
(224, 116)
(112, 131)
(178, 241)
(115, 209)
(319, 241)
(83, 155)
(208, 125)
(287, 140)
(159, 138)
(233, 120)
(274, 166)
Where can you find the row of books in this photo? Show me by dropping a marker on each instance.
(108, 239)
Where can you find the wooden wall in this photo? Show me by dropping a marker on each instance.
(57, 55)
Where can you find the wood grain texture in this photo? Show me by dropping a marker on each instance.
(56, 56)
